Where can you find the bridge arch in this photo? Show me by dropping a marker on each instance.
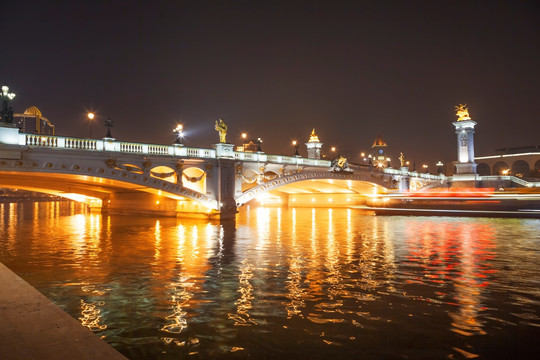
(483, 169)
(93, 180)
(499, 167)
(521, 168)
(536, 169)
(379, 181)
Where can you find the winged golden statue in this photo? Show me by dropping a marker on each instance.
(462, 112)
(221, 128)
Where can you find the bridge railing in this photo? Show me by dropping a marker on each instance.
(414, 174)
(280, 159)
(515, 179)
(61, 142)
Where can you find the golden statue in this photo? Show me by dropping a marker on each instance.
(462, 112)
(221, 127)
(341, 161)
(313, 137)
(402, 159)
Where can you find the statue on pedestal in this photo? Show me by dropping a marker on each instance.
(221, 127)
(462, 112)
(402, 159)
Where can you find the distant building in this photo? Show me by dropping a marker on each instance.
(379, 156)
(517, 161)
(32, 121)
(250, 146)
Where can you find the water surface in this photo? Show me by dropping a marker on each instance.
(286, 283)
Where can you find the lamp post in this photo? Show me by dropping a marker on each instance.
(6, 114)
(425, 166)
(259, 148)
(295, 147)
(439, 167)
(244, 135)
(179, 131)
(91, 117)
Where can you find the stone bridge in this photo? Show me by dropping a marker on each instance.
(127, 177)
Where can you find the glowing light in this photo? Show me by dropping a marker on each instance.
(91, 115)
(505, 172)
(157, 202)
(312, 199)
(362, 154)
(333, 148)
(244, 135)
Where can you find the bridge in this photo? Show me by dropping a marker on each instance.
(174, 180)
(129, 177)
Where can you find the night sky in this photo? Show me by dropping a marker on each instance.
(277, 69)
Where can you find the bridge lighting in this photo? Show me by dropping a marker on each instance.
(6, 93)
(295, 147)
(179, 131)
(91, 117)
(244, 135)
(439, 167)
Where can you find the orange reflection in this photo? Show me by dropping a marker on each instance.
(458, 252)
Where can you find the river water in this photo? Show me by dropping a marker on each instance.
(286, 283)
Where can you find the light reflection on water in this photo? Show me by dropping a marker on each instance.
(290, 283)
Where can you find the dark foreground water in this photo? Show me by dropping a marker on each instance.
(286, 283)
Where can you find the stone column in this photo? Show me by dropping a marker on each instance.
(224, 181)
(465, 175)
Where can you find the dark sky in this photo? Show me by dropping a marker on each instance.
(276, 69)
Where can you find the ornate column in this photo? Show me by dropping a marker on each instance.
(465, 166)
(314, 146)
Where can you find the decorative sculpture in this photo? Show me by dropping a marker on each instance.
(221, 128)
(340, 163)
(313, 137)
(109, 124)
(462, 112)
(402, 159)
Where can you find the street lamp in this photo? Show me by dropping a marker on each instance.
(91, 117)
(295, 146)
(259, 141)
(439, 167)
(6, 114)
(425, 166)
(244, 135)
(179, 131)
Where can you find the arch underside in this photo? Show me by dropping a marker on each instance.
(99, 187)
(320, 184)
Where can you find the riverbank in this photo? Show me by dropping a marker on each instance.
(33, 327)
